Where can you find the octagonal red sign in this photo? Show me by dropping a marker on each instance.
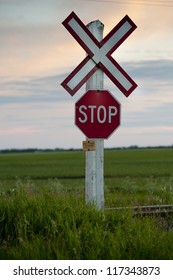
(97, 114)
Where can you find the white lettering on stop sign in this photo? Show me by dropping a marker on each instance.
(103, 114)
(97, 114)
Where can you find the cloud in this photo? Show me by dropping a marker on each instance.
(154, 69)
(37, 53)
(154, 79)
(32, 90)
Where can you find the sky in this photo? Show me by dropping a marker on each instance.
(37, 53)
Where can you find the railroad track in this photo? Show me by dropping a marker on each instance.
(160, 210)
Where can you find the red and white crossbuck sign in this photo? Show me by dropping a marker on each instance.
(99, 54)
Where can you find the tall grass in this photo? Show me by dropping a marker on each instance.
(43, 213)
(52, 224)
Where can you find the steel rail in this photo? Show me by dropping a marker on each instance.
(148, 210)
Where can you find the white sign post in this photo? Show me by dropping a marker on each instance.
(90, 70)
(94, 169)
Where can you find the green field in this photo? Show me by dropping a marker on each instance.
(139, 176)
(43, 213)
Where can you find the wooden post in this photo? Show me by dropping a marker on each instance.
(94, 173)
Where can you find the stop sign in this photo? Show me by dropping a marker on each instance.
(97, 114)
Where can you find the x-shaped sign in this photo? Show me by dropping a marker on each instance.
(99, 54)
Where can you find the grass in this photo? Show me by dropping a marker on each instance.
(43, 213)
(118, 163)
(42, 165)
(50, 226)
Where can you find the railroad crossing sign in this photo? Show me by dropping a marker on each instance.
(97, 114)
(99, 55)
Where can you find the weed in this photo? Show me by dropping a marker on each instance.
(43, 213)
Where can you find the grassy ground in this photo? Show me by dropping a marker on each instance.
(43, 213)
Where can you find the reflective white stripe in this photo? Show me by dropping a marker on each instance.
(116, 37)
(116, 73)
(99, 55)
(83, 35)
(80, 75)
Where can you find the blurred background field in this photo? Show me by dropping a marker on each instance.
(132, 176)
